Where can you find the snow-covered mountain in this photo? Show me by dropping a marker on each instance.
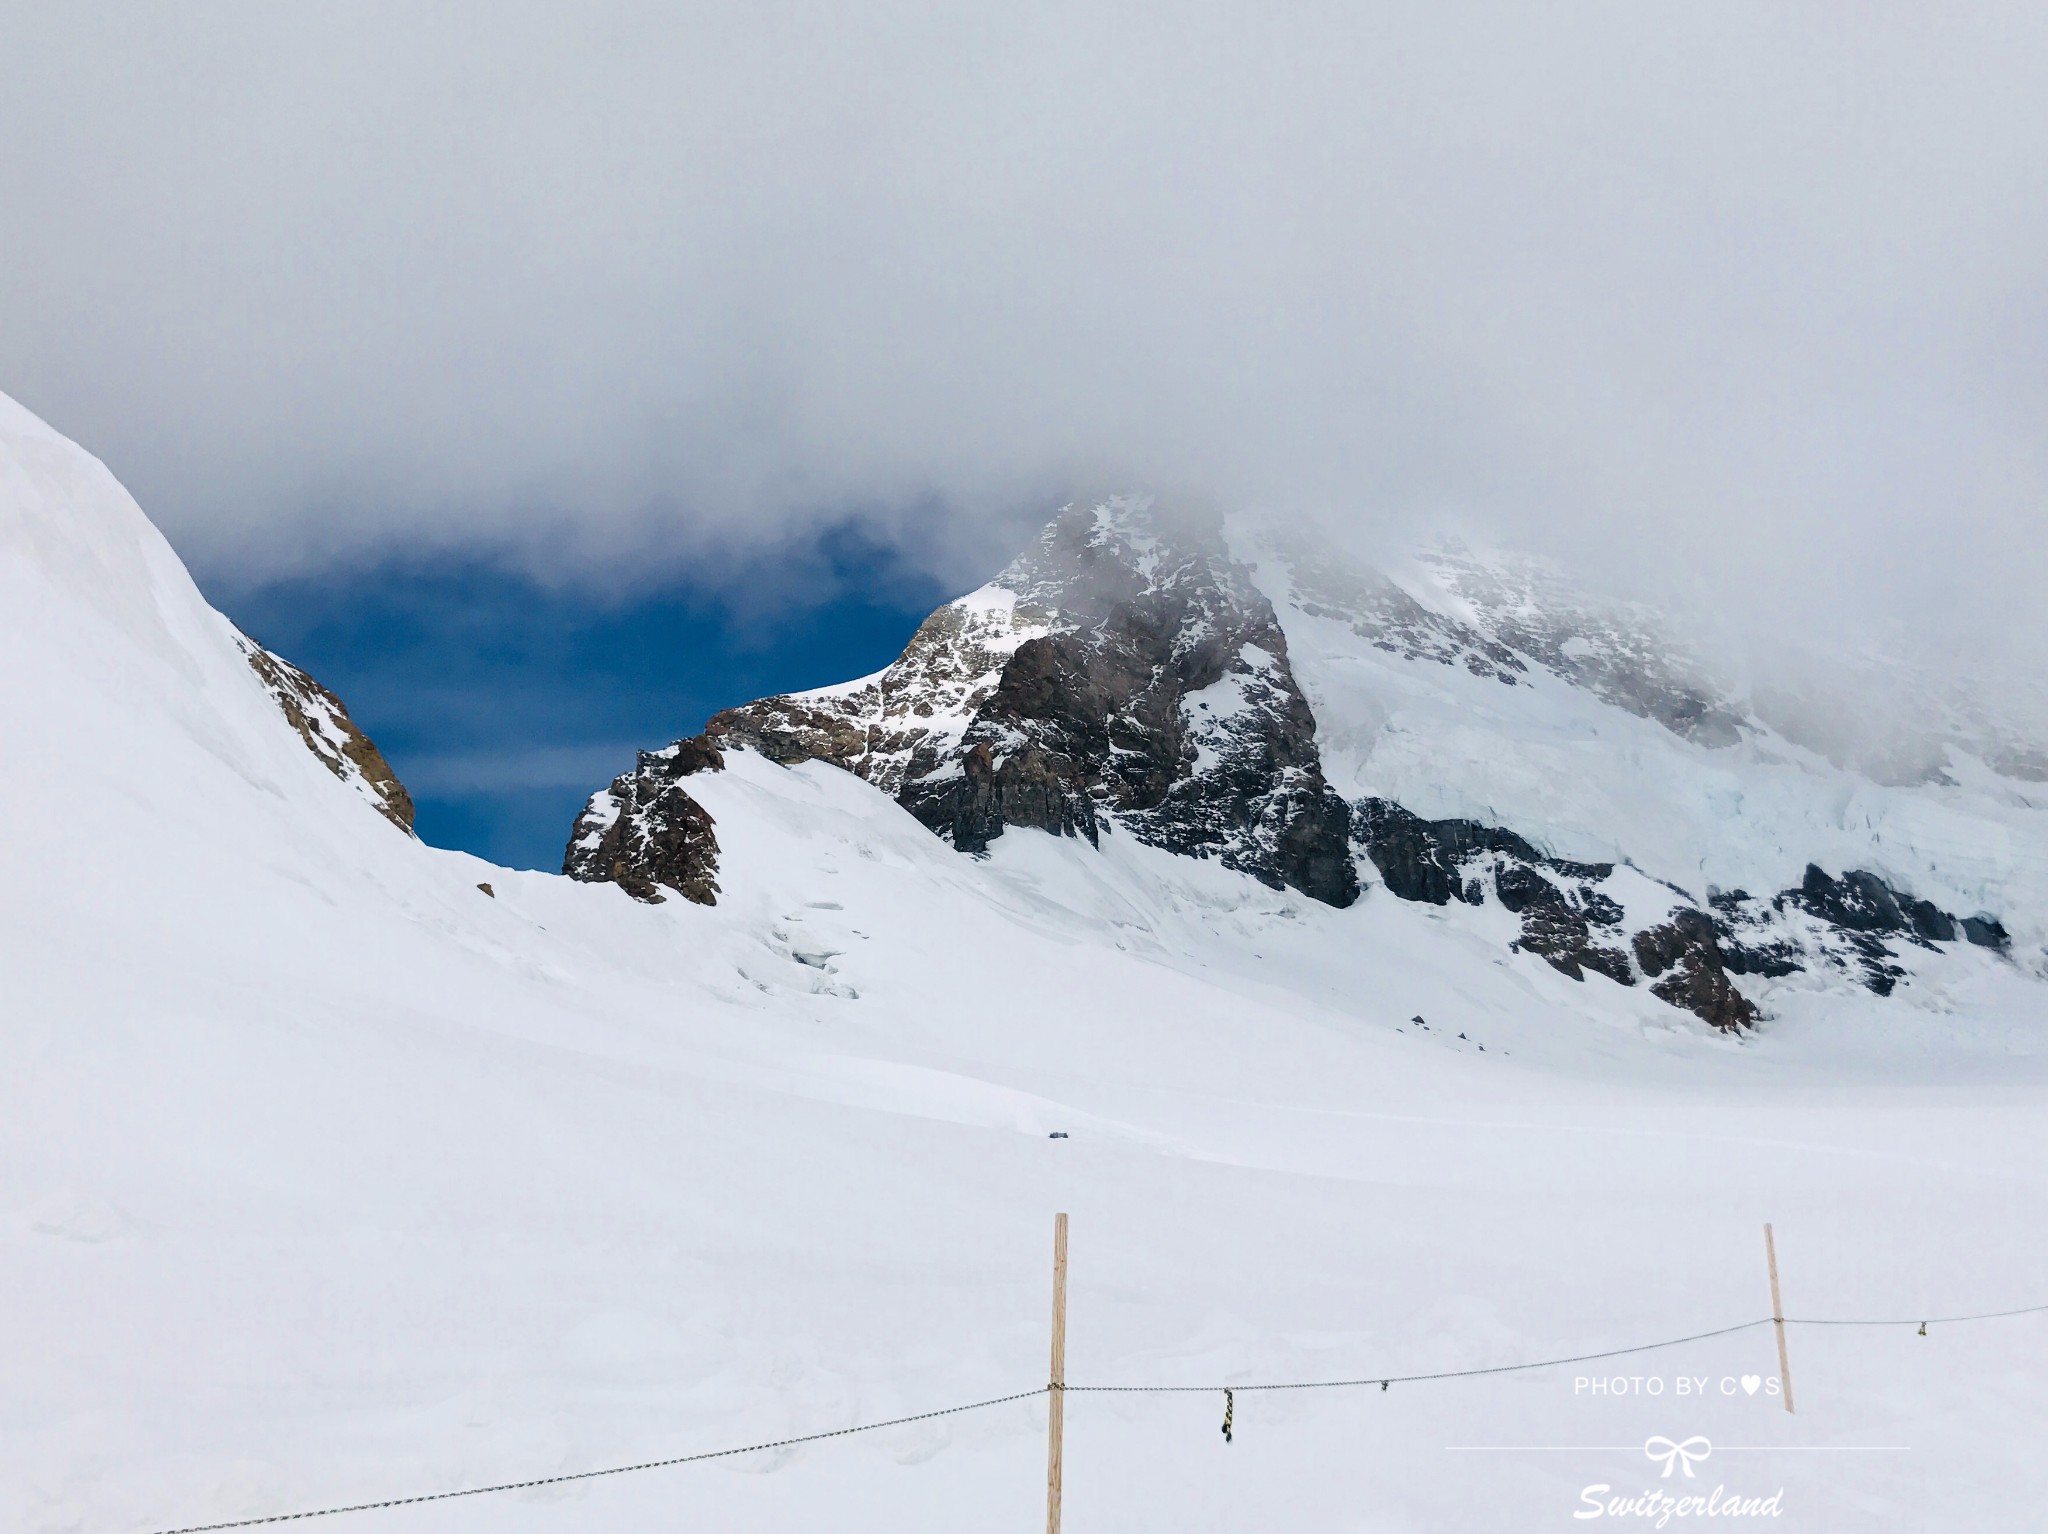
(1468, 730)
(339, 1169)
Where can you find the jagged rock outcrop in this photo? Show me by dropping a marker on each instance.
(1862, 902)
(1125, 671)
(1858, 916)
(1986, 932)
(1691, 953)
(1844, 924)
(1683, 958)
(1441, 860)
(903, 720)
(1559, 927)
(322, 722)
(646, 833)
(1753, 940)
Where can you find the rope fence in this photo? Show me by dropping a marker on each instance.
(591, 1475)
(1382, 1381)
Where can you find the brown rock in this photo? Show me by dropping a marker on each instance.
(322, 722)
(646, 833)
(1686, 952)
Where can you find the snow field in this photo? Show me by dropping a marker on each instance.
(325, 1177)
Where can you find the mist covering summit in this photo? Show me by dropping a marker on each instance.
(1225, 690)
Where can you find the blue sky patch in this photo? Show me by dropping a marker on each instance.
(503, 702)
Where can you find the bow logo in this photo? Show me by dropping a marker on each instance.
(1668, 1454)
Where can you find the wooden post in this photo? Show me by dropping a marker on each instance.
(1056, 1395)
(1778, 1316)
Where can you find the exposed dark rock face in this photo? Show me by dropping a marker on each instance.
(1683, 956)
(1843, 923)
(1560, 928)
(1751, 943)
(645, 833)
(322, 722)
(1521, 888)
(904, 721)
(1441, 860)
(1862, 902)
(1124, 672)
(971, 806)
(1418, 859)
(1863, 915)
(1556, 932)
(1429, 859)
(1986, 933)
(1848, 923)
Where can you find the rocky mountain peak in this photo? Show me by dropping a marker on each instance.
(1164, 675)
(1154, 693)
(1124, 672)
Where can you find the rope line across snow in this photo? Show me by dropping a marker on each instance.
(588, 1475)
(1381, 1380)
(1411, 1379)
(1986, 1315)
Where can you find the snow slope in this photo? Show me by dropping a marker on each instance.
(326, 1177)
(1557, 759)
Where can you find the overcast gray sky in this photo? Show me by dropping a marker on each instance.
(1752, 293)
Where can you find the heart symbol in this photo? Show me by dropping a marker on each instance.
(1751, 1381)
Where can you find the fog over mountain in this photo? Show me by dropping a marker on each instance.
(1737, 310)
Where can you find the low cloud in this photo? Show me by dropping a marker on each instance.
(1741, 308)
